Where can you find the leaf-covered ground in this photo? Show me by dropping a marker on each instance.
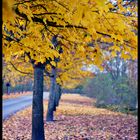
(15, 95)
(75, 119)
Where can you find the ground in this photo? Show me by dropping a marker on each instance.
(76, 118)
(15, 95)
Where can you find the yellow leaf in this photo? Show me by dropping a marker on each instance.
(113, 54)
(101, 68)
(125, 56)
(44, 20)
(115, 48)
(110, 5)
(81, 48)
(53, 63)
(26, 58)
(120, 38)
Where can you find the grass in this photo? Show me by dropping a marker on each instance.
(15, 95)
(120, 108)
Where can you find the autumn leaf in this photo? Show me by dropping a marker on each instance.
(76, 118)
(53, 63)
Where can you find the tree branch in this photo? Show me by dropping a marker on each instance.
(20, 70)
(48, 74)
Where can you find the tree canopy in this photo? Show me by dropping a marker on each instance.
(85, 25)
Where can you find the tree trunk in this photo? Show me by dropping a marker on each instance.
(57, 95)
(60, 91)
(37, 105)
(51, 103)
(8, 93)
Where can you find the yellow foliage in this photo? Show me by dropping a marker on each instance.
(34, 27)
(7, 10)
(113, 54)
(125, 56)
(53, 63)
(115, 48)
(81, 48)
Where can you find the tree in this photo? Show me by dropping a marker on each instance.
(60, 75)
(13, 72)
(28, 35)
(124, 76)
(8, 85)
(37, 110)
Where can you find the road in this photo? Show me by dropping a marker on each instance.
(11, 106)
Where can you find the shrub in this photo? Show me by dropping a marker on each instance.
(110, 92)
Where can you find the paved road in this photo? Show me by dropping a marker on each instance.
(11, 106)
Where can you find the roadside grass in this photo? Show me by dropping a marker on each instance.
(122, 109)
(75, 119)
(15, 95)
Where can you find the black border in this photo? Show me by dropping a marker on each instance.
(1, 92)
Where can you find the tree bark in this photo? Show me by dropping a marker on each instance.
(60, 93)
(8, 93)
(37, 105)
(57, 95)
(51, 103)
